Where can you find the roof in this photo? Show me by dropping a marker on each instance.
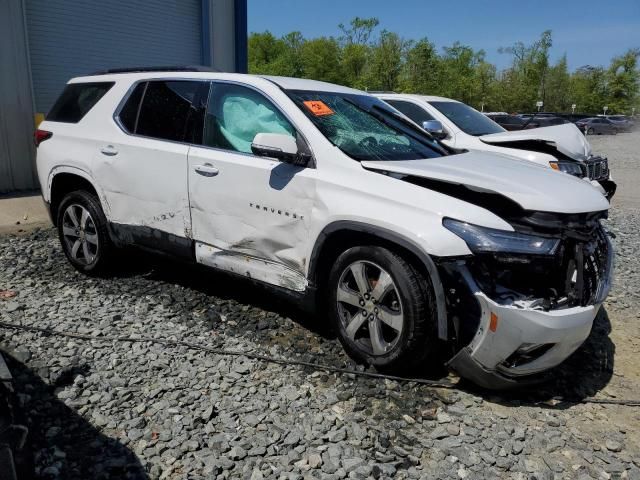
(290, 83)
(426, 98)
(142, 73)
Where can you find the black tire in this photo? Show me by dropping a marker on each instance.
(417, 345)
(102, 251)
(590, 131)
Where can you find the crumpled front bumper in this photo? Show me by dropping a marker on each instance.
(493, 360)
(606, 187)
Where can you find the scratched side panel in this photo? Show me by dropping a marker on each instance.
(263, 270)
(256, 207)
(145, 184)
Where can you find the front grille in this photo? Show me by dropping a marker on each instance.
(588, 271)
(578, 274)
(597, 168)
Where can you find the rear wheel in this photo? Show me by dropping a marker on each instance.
(82, 229)
(383, 309)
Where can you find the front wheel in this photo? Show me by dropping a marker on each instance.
(82, 229)
(383, 309)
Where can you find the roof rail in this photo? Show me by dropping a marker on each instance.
(178, 68)
(380, 91)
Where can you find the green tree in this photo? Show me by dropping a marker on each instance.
(321, 59)
(588, 89)
(386, 61)
(623, 82)
(525, 81)
(421, 72)
(485, 93)
(458, 78)
(558, 87)
(264, 52)
(359, 31)
(362, 59)
(356, 49)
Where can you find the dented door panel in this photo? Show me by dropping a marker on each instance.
(254, 210)
(145, 183)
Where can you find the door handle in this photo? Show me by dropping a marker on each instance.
(206, 170)
(109, 151)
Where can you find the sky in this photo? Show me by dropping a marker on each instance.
(590, 32)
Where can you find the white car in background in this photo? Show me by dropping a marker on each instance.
(561, 147)
(332, 196)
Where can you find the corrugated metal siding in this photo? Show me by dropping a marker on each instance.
(71, 38)
(17, 168)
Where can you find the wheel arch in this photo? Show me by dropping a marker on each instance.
(336, 237)
(65, 180)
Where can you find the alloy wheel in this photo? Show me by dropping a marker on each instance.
(370, 308)
(80, 234)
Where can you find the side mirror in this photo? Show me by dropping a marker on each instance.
(280, 146)
(435, 128)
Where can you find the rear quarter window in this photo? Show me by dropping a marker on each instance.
(76, 101)
(165, 109)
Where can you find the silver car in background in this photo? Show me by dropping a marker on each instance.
(597, 126)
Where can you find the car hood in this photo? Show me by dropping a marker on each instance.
(566, 139)
(531, 186)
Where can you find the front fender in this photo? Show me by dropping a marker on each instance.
(393, 237)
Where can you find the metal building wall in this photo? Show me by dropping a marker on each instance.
(61, 39)
(17, 169)
(68, 39)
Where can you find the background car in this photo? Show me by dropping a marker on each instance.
(544, 119)
(460, 126)
(597, 126)
(622, 122)
(512, 122)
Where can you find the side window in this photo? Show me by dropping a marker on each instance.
(411, 110)
(235, 114)
(76, 101)
(129, 112)
(165, 109)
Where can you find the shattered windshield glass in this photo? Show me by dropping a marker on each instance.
(467, 119)
(365, 128)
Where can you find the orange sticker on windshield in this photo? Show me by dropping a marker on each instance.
(318, 108)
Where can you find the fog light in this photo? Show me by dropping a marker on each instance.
(527, 352)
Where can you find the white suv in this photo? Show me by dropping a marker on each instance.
(330, 194)
(560, 147)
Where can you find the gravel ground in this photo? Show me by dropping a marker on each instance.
(103, 409)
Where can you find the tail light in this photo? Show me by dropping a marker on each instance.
(40, 136)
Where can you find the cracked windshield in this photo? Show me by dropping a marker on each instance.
(365, 128)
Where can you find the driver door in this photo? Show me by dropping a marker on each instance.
(250, 215)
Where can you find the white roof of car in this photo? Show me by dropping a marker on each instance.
(288, 83)
(426, 98)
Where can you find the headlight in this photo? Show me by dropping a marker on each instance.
(571, 168)
(490, 240)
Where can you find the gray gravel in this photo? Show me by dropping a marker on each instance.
(141, 410)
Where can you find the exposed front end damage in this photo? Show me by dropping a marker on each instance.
(566, 144)
(517, 315)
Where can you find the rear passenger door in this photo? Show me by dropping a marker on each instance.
(143, 166)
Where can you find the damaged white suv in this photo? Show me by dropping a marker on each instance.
(329, 194)
(561, 147)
